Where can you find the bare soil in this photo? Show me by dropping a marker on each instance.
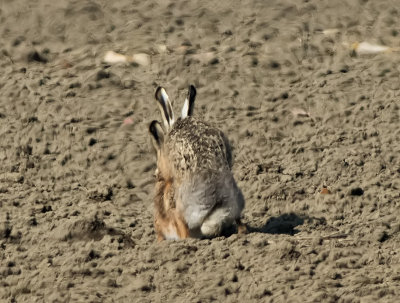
(315, 130)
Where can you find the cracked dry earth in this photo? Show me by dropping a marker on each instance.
(315, 129)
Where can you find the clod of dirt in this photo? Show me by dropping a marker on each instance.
(214, 61)
(325, 191)
(101, 194)
(381, 236)
(5, 232)
(92, 141)
(46, 208)
(102, 74)
(32, 221)
(92, 228)
(81, 229)
(274, 64)
(357, 191)
(35, 56)
(92, 255)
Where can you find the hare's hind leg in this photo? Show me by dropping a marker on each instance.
(160, 226)
(176, 228)
(168, 221)
(182, 229)
(241, 227)
(171, 226)
(220, 219)
(228, 210)
(213, 224)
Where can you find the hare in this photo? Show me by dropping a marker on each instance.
(196, 194)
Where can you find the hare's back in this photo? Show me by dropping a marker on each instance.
(195, 145)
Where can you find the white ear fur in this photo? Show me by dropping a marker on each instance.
(165, 108)
(188, 106)
(185, 108)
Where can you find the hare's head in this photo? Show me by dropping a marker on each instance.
(159, 132)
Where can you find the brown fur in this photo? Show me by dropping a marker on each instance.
(241, 227)
(168, 220)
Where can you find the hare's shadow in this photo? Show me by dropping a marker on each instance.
(284, 224)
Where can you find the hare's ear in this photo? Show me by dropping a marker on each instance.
(165, 108)
(188, 106)
(157, 134)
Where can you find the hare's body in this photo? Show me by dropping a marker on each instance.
(196, 194)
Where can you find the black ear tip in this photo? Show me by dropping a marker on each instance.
(152, 126)
(192, 91)
(158, 93)
(156, 133)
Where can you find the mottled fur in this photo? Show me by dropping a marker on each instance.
(195, 147)
(196, 194)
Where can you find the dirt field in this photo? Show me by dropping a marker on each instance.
(315, 130)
